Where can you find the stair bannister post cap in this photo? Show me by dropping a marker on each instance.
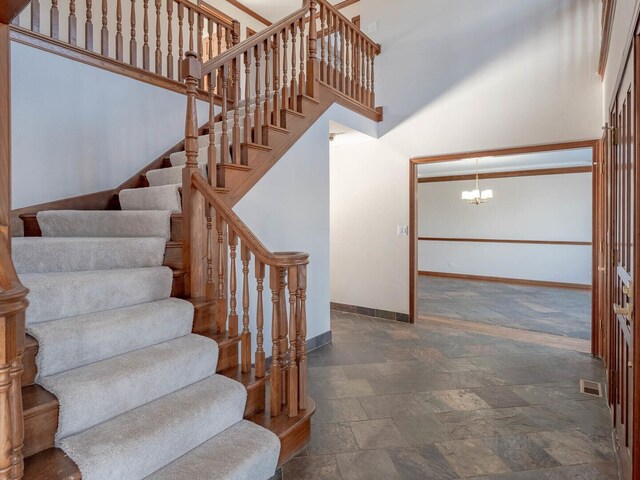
(190, 66)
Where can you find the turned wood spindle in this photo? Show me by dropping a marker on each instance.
(260, 355)
(170, 39)
(247, 97)
(323, 33)
(327, 38)
(88, 28)
(267, 77)
(191, 19)
(302, 82)
(235, 149)
(216, 178)
(245, 339)
(104, 31)
(343, 29)
(285, 70)
(283, 331)
(133, 44)
(312, 61)
(224, 138)
(293, 95)
(180, 36)
(210, 283)
(292, 385)
(73, 23)
(221, 302)
(257, 114)
(233, 285)
(200, 37)
(158, 38)
(275, 118)
(54, 20)
(302, 338)
(219, 35)
(145, 44)
(336, 52)
(210, 43)
(275, 372)
(119, 38)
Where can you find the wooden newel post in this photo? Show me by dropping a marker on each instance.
(312, 60)
(193, 205)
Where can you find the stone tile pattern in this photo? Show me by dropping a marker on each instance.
(399, 401)
(559, 311)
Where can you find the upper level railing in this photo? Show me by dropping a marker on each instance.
(149, 34)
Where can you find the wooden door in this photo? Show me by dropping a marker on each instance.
(621, 172)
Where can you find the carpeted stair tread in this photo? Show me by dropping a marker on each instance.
(163, 197)
(98, 392)
(57, 295)
(170, 176)
(243, 451)
(68, 254)
(77, 341)
(104, 223)
(141, 441)
(179, 159)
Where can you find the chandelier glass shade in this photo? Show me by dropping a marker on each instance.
(477, 196)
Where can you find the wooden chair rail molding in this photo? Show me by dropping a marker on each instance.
(210, 249)
(503, 240)
(151, 35)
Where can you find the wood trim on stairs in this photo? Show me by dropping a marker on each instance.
(514, 281)
(502, 240)
(57, 47)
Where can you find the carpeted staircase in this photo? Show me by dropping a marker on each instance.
(138, 394)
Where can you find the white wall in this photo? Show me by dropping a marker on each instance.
(553, 207)
(78, 129)
(289, 210)
(454, 76)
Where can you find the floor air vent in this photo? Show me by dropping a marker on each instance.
(590, 388)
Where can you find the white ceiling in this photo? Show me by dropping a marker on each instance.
(274, 10)
(528, 161)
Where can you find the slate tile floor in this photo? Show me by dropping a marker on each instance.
(558, 311)
(400, 401)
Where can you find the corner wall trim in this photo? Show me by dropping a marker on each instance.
(370, 312)
(504, 240)
(509, 174)
(515, 281)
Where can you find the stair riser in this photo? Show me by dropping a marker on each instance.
(256, 399)
(252, 155)
(176, 228)
(173, 256)
(30, 369)
(40, 419)
(272, 135)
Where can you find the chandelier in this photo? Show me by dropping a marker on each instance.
(476, 197)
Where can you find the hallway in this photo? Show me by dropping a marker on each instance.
(400, 401)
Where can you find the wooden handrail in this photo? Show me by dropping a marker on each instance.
(253, 40)
(262, 253)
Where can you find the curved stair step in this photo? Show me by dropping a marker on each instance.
(67, 294)
(77, 341)
(68, 254)
(142, 441)
(244, 451)
(101, 391)
(104, 223)
(170, 176)
(164, 197)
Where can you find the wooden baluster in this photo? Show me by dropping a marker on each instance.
(358, 67)
(285, 69)
(209, 289)
(347, 52)
(343, 29)
(369, 70)
(88, 28)
(323, 33)
(267, 77)
(373, 85)
(275, 118)
(145, 44)
(336, 52)
(54, 20)
(216, 178)
(210, 31)
(260, 355)
(245, 338)
(119, 38)
(190, 20)
(158, 39)
(73, 23)
(170, 39)
(293, 94)
(233, 285)
(133, 44)
(235, 148)
(247, 97)
(219, 38)
(200, 37)
(275, 372)
(257, 114)
(302, 82)
(302, 337)
(327, 38)
(224, 137)
(312, 61)
(35, 15)
(180, 36)
(104, 32)
(292, 385)
(235, 34)
(361, 67)
(283, 330)
(221, 303)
